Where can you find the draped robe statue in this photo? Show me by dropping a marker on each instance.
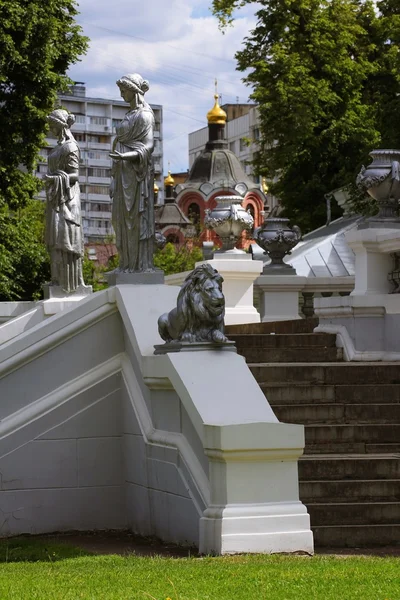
(133, 180)
(63, 235)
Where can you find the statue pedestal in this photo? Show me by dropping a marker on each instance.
(52, 292)
(140, 278)
(279, 296)
(56, 299)
(239, 272)
(193, 347)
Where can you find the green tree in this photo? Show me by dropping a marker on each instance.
(38, 42)
(24, 260)
(326, 77)
(176, 260)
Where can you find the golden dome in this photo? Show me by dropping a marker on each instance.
(156, 188)
(264, 185)
(169, 180)
(216, 115)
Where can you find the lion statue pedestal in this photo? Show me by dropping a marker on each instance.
(197, 322)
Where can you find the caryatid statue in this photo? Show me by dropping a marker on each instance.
(133, 179)
(64, 236)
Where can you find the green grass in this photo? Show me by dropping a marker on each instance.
(36, 569)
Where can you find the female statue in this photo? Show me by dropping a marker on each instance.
(63, 211)
(133, 179)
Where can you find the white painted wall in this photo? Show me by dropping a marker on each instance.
(96, 432)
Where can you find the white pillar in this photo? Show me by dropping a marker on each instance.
(372, 248)
(279, 296)
(239, 272)
(255, 504)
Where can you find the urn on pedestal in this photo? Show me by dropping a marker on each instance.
(381, 180)
(277, 239)
(229, 219)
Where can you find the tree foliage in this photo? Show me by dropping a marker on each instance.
(176, 260)
(24, 260)
(326, 76)
(38, 42)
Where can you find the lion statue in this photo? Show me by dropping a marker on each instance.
(199, 315)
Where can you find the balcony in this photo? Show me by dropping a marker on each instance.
(98, 197)
(98, 231)
(98, 128)
(99, 180)
(94, 214)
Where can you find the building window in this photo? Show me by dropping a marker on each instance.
(98, 139)
(80, 137)
(99, 172)
(98, 120)
(97, 189)
(256, 134)
(80, 118)
(92, 154)
(243, 144)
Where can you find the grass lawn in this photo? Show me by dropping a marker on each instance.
(45, 571)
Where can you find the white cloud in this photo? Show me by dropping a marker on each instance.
(180, 55)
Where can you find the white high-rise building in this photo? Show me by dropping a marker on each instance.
(94, 130)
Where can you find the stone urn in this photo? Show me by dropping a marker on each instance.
(229, 219)
(277, 239)
(160, 240)
(381, 180)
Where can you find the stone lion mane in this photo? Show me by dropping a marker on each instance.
(199, 315)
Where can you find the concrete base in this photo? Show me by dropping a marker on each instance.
(260, 528)
(253, 504)
(51, 292)
(145, 278)
(239, 272)
(279, 296)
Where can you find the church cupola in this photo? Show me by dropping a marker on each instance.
(216, 118)
(169, 183)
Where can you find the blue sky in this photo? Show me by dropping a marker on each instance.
(177, 46)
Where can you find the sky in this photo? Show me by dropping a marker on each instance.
(174, 44)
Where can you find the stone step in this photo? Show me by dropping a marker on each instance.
(307, 414)
(292, 355)
(351, 448)
(284, 340)
(303, 393)
(345, 467)
(295, 326)
(356, 536)
(344, 490)
(353, 513)
(366, 433)
(326, 373)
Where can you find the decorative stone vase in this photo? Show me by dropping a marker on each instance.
(229, 219)
(160, 239)
(381, 180)
(277, 239)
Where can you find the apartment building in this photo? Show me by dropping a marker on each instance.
(94, 130)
